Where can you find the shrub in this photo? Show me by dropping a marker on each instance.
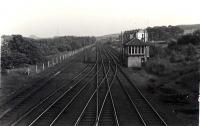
(190, 39)
(157, 51)
(151, 87)
(175, 57)
(158, 66)
(18, 50)
(190, 53)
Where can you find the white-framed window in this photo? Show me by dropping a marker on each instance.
(133, 47)
(136, 49)
(129, 49)
(142, 49)
(139, 50)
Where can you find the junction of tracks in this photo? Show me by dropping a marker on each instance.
(99, 93)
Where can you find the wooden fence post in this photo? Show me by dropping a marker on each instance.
(28, 71)
(48, 64)
(43, 66)
(36, 68)
(53, 62)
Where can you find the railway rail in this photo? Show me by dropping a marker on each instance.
(146, 112)
(72, 116)
(18, 111)
(18, 100)
(54, 95)
(90, 113)
(64, 97)
(100, 95)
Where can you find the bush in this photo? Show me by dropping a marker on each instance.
(151, 87)
(158, 52)
(158, 66)
(190, 39)
(175, 57)
(18, 50)
(190, 53)
(164, 33)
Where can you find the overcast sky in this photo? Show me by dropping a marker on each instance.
(48, 18)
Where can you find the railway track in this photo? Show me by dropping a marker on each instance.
(51, 114)
(93, 111)
(82, 103)
(36, 96)
(108, 115)
(35, 110)
(146, 112)
(62, 99)
(101, 95)
(21, 102)
(90, 111)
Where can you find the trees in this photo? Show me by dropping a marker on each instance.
(160, 33)
(19, 50)
(193, 38)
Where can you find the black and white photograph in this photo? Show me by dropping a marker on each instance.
(99, 62)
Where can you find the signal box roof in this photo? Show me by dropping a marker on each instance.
(136, 42)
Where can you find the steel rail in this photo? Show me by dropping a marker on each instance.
(97, 122)
(112, 101)
(61, 112)
(130, 82)
(95, 92)
(133, 104)
(29, 94)
(110, 93)
(127, 94)
(53, 93)
(53, 122)
(81, 115)
(55, 102)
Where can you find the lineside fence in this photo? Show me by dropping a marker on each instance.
(39, 67)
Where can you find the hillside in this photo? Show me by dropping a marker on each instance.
(157, 33)
(113, 36)
(17, 50)
(34, 37)
(159, 30)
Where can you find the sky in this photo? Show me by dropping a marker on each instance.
(49, 18)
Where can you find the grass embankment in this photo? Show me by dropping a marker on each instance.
(175, 80)
(177, 65)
